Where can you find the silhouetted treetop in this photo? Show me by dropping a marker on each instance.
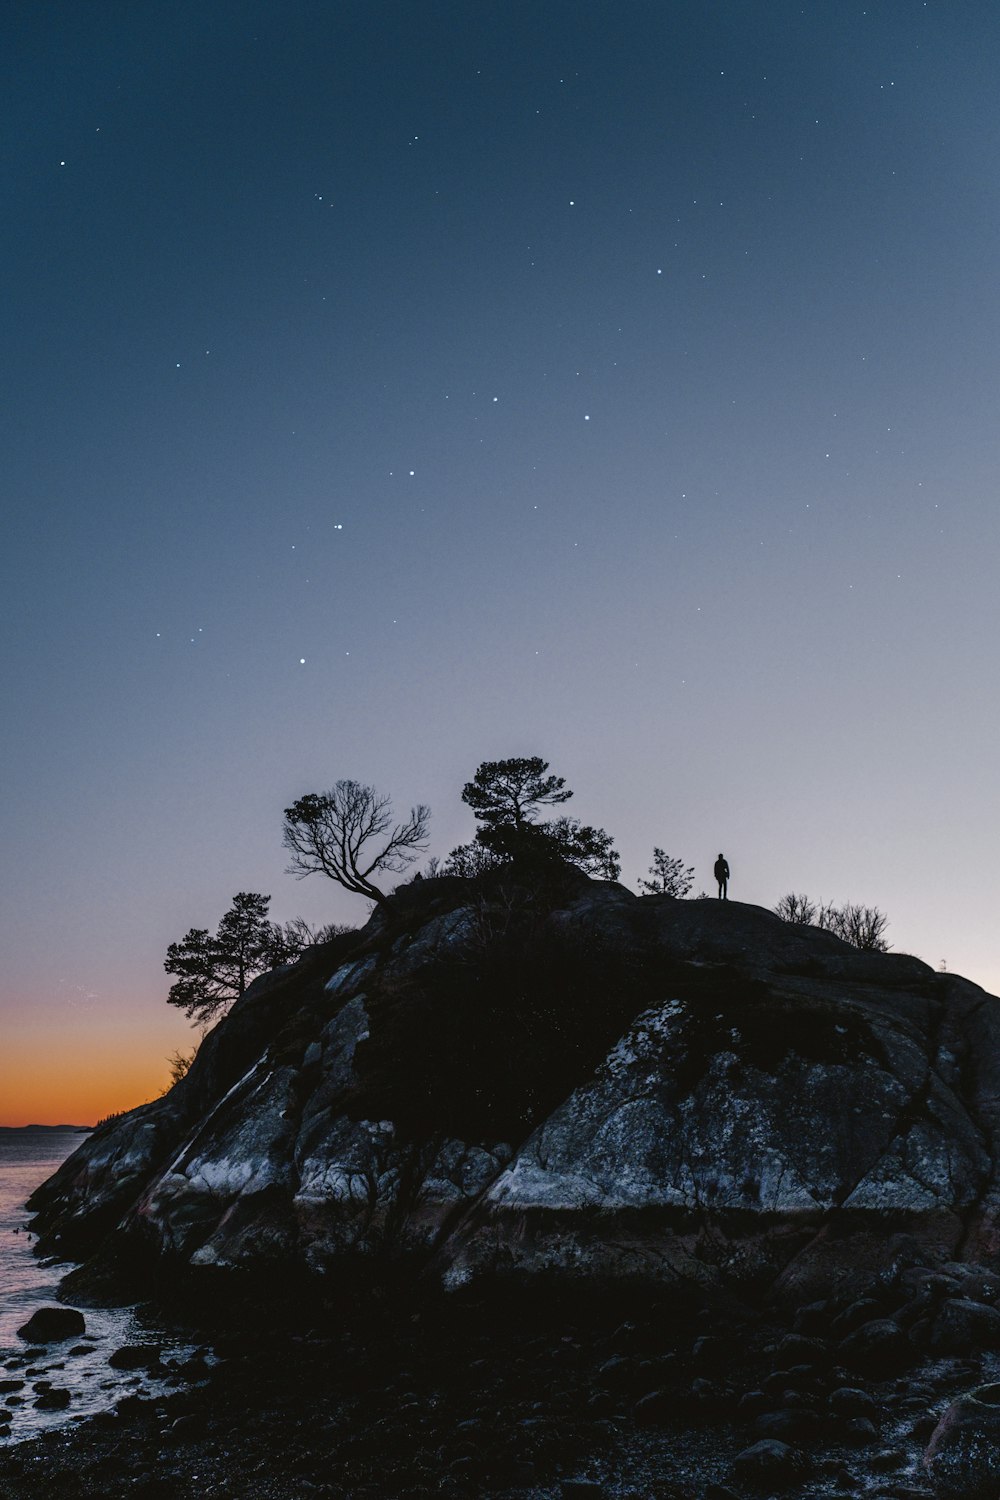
(795, 908)
(668, 876)
(471, 861)
(861, 926)
(214, 970)
(347, 833)
(297, 934)
(511, 791)
(505, 796)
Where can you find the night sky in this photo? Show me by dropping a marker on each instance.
(390, 387)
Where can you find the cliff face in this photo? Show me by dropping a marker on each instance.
(491, 1080)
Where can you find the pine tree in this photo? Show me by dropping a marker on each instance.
(670, 877)
(216, 970)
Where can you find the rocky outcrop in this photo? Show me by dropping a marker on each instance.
(490, 1078)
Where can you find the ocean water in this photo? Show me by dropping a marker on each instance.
(27, 1158)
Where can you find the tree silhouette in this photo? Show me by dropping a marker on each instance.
(471, 861)
(216, 969)
(861, 926)
(793, 908)
(670, 877)
(297, 934)
(590, 849)
(511, 791)
(505, 796)
(179, 1064)
(347, 833)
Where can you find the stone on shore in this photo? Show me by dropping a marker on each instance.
(50, 1325)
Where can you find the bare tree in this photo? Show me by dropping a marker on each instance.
(793, 908)
(866, 925)
(670, 877)
(861, 926)
(347, 833)
(296, 935)
(179, 1064)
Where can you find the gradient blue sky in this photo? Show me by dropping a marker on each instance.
(610, 381)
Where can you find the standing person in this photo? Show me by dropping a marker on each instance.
(722, 876)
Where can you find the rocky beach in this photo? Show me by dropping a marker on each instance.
(525, 1395)
(545, 1189)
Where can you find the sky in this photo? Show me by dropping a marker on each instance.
(389, 387)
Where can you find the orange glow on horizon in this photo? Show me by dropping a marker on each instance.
(80, 1074)
(53, 1091)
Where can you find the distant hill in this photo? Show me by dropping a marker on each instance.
(19, 1129)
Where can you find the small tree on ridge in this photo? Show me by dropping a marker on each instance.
(793, 908)
(297, 934)
(512, 791)
(348, 834)
(670, 876)
(861, 926)
(214, 970)
(505, 796)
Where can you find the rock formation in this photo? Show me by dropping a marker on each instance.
(493, 1078)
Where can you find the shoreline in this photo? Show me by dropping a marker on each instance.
(519, 1394)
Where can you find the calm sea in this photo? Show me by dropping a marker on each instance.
(27, 1158)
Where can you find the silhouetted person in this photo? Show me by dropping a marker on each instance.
(722, 876)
